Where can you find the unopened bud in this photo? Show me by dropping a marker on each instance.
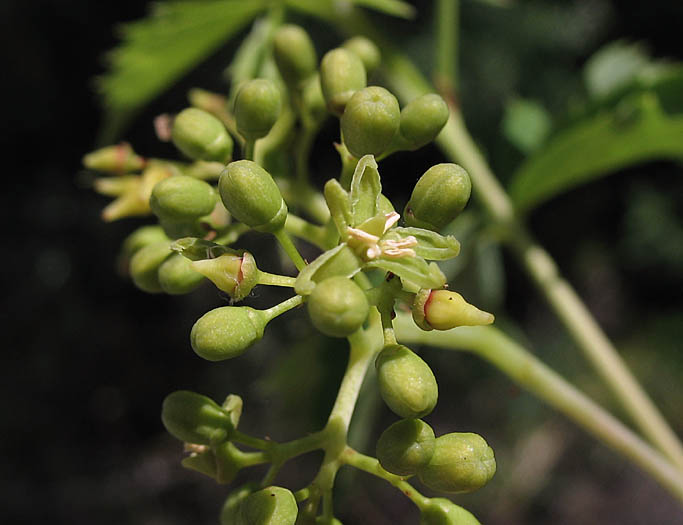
(294, 54)
(422, 120)
(118, 159)
(444, 309)
(226, 332)
(257, 107)
(370, 121)
(235, 274)
(341, 74)
(201, 136)
(366, 50)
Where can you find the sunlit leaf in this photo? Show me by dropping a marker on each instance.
(636, 130)
(157, 50)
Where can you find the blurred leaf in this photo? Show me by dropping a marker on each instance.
(389, 7)
(157, 50)
(614, 66)
(330, 9)
(526, 124)
(636, 130)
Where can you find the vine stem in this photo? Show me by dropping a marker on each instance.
(283, 307)
(271, 279)
(458, 146)
(533, 375)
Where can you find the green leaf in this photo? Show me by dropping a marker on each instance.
(414, 270)
(365, 190)
(526, 124)
(430, 245)
(636, 130)
(340, 260)
(156, 51)
(330, 10)
(614, 66)
(389, 7)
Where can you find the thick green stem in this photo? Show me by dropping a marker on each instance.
(458, 146)
(288, 246)
(531, 374)
(447, 19)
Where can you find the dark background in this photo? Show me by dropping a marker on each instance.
(88, 358)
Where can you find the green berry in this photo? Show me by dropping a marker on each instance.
(269, 506)
(338, 307)
(194, 418)
(144, 266)
(142, 237)
(182, 199)
(177, 277)
(366, 50)
(257, 107)
(370, 121)
(235, 274)
(294, 54)
(232, 508)
(440, 511)
(444, 309)
(341, 74)
(406, 382)
(422, 120)
(251, 195)
(438, 197)
(462, 462)
(226, 332)
(405, 447)
(201, 136)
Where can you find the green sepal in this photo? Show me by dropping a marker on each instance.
(366, 189)
(430, 245)
(194, 418)
(199, 249)
(414, 270)
(233, 406)
(339, 203)
(203, 462)
(340, 260)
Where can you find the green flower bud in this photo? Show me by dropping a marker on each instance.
(177, 277)
(234, 274)
(232, 508)
(440, 511)
(338, 307)
(422, 120)
(341, 74)
(443, 310)
(142, 237)
(370, 121)
(251, 195)
(182, 199)
(294, 53)
(462, 462)
(270, 506)
(438, 197)
(194, 418)
(406, 382)
(226, 332)
(144, 266)
(117, 159)
(366, 50)
(201, 136)
(405, 447)
(257, 107)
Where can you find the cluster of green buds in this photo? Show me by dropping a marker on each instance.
(372, 262)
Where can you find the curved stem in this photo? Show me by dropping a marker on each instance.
(530, 373)
(371, 466)
(283, 307)
(458, 146)
(317, 235)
